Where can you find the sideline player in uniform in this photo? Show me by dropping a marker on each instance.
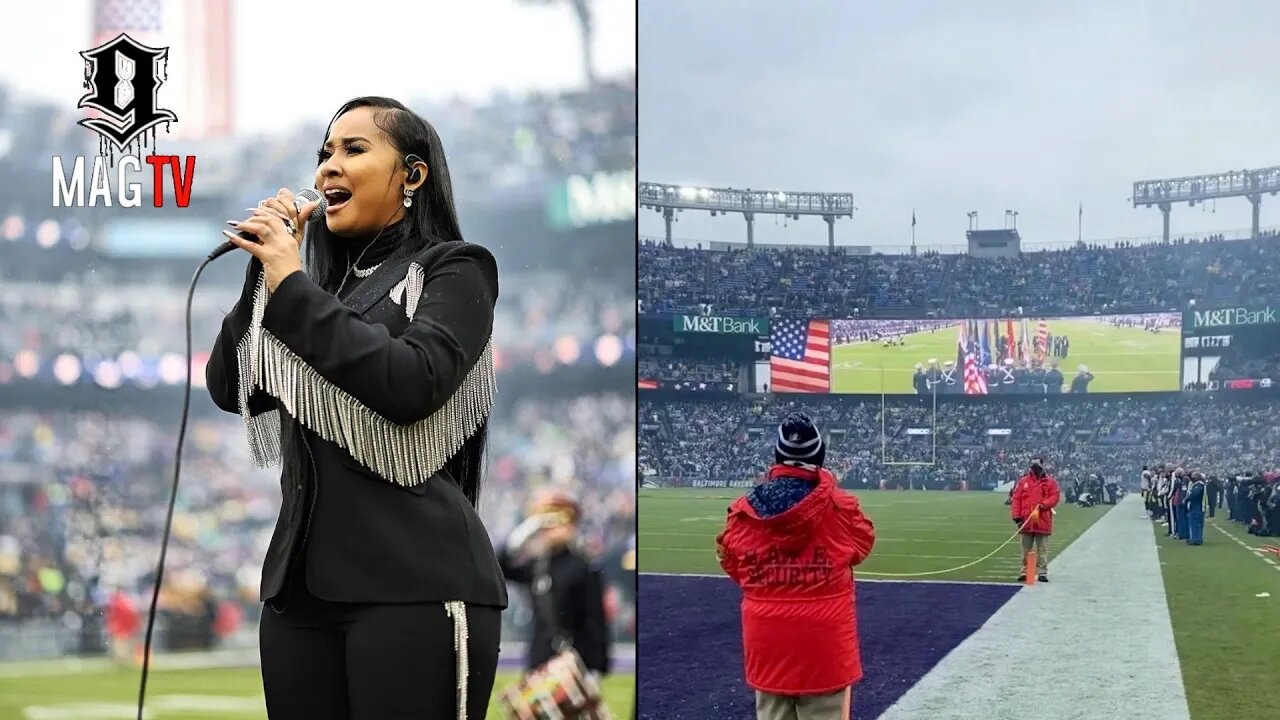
(1197, 500)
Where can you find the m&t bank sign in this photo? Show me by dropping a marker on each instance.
(721, 324)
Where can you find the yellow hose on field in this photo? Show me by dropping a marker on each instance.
(1015, 534)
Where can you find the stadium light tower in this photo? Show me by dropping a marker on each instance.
(1250, 184)
(670, 199)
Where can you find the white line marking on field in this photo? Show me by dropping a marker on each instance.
(1259, 552)
(1062, 638)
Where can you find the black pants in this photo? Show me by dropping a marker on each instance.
(325, 660)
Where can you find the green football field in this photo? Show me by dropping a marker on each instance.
(1121, 359)
(110, 693)
(916, 532)
(1222, 596)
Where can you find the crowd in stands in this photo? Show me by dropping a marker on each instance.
(84, 495)
(979, 442)
(1085, 279)
(690, 371)
(81, 316)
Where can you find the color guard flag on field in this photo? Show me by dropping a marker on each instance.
(801, 357)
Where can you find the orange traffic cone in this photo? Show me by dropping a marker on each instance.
(1031, 567)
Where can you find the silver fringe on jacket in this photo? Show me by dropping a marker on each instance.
(407, 455)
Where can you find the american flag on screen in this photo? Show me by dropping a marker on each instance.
(801, 359)
(975, 382)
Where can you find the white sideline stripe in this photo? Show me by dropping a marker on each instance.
(855, 577)
(1256, 551)
(1070, 648)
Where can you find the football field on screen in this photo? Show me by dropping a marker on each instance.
(1122, 359)
(916, 532)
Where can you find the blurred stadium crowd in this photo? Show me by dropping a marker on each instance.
(1086, 279)
(980, 443)
(91, 365)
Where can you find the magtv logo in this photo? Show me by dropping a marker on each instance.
(1224, 317)
(123, 79)
(721, 324)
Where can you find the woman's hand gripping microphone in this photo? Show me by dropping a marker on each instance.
(278, 225)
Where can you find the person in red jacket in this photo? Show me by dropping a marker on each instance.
(1034, 498)
(790, 544)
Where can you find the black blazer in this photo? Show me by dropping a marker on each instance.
(373, 379)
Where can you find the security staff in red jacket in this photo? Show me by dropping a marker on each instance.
(1034, 498)
(790, 544)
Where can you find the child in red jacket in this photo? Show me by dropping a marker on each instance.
(1034, 498)
(790, 544)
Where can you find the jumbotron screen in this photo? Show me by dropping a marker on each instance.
(1026, 355)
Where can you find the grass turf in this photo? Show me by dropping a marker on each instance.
(916, 532)
(1226, 636)
(206, 694)
(1121, 359)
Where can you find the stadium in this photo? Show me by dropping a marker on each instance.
(932, 465)
(92, 371)
(908, 252)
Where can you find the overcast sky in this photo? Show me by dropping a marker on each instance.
(298, 60)
(948, 107)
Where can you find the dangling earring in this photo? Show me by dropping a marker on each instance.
(408, 197)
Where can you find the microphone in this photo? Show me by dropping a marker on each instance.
(302, 197)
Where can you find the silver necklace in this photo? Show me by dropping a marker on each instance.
(353, 269)
(357, 271)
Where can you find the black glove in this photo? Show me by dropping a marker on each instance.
(1017, 521)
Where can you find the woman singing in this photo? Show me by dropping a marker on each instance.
(370, 377)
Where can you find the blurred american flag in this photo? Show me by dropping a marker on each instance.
(198, 74)
(139, 19)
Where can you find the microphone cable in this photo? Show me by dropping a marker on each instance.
(302, 197)
(173, 498)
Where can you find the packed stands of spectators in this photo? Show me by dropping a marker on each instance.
(78, 315)
(980, 442)
(1085, 279)
(83, 505)
(691, 370)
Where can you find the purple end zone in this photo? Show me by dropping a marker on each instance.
(690, 644)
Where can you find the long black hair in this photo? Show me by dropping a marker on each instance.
(432, 219)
